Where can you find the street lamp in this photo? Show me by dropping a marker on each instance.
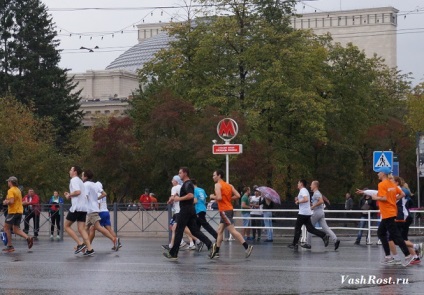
(89, 49)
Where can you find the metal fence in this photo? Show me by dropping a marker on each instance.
(139, 222)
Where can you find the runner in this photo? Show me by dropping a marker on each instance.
(15, 209)
(224, 194)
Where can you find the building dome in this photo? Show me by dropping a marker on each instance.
(135, 57)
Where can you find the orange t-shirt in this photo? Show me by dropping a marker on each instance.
(226, 192)
(388, 189)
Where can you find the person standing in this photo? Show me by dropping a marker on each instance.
(318, 215)
(268, 205)
(187, 216)
(31, 203)
(388, 193)
(348, 206)
(256, 203)
(145, 200)
(78, 211)
(54, 214)
(224, 194)
(15, 209)
(366, 203)
(245, 204)
(200, 207)
(304, 217)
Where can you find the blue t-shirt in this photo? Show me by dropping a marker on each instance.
(200, 195)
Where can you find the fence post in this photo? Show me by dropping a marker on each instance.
(62, 221)
(169, 206)
(115, 217)
(368, 242)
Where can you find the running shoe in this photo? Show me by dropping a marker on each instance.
(8, 249)
(336, 245)
(30, 242)
(89, 253)
(306, 246)
(416, 260)
(116, 244)
(357, 242)
(293, 246)
(388, 261)
(119, 244)
(212, 252)
(408, 260)
(57, 237)
(51, 237)
(326, 240)
(166, 247)
(80, 248)
(183, 244)
(169, 256)
(217, 255)
(192, 247)
(249, 251)
(199, 246)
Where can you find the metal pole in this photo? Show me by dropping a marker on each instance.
(62, 221)
(227, 168)
(369, 229)
(115, 217)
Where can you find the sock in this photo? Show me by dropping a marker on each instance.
(197, 242)
(217, 249)
(245, 245)
(170, 246)
(191, 244)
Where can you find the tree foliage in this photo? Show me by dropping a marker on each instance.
(29, 65)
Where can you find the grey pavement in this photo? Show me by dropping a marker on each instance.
(51, 267)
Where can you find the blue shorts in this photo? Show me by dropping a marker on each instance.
(105, 218)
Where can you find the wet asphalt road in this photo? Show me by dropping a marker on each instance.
(139, 268)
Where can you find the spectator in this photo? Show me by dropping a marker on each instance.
(132, 206)
(154, 204)
(54, 214)
(31, 203)
(256, 203)
(366, 203)
(145, 200)
(348, 206)
(245, 204)
(268, 205)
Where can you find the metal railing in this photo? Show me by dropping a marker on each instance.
(156, 222)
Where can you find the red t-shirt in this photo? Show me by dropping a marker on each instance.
(145, 201)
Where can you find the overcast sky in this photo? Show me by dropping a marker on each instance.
(112, 29)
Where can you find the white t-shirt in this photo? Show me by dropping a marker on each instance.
(304, 208)
(79, 203)
(254, 200)
(175, 190)
(102, 201)
(91, 189)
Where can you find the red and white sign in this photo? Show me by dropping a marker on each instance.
(227, 149)
(227, 129)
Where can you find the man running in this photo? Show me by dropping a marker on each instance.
(304, 217)
(187, 216)
(224, 194)
(318, 215)
(78, 211)
(15, 209)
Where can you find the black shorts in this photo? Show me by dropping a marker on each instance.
(14, 219)
(76, 216)
(174, 219)
(227, 217)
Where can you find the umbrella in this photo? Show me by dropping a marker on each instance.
(269, 193)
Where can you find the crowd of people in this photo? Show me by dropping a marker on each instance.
(88, 209)
(189, 206)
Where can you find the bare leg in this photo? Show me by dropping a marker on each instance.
(71, 232)
(104, 231)
(220, 232)
(84, 234)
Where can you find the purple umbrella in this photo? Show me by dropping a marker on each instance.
(269, 193)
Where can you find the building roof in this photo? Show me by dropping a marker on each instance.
(135, 57)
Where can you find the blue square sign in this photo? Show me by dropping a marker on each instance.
(382, 159)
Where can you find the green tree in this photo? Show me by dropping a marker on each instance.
(29, 65)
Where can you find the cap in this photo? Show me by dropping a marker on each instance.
(12, 179)
(385, 170)
(177, 179)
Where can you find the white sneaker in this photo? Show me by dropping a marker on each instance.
(51, 237)
(193, 247)
(57, 237)
(408, 260)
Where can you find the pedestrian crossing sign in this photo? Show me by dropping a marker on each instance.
(382, 159)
